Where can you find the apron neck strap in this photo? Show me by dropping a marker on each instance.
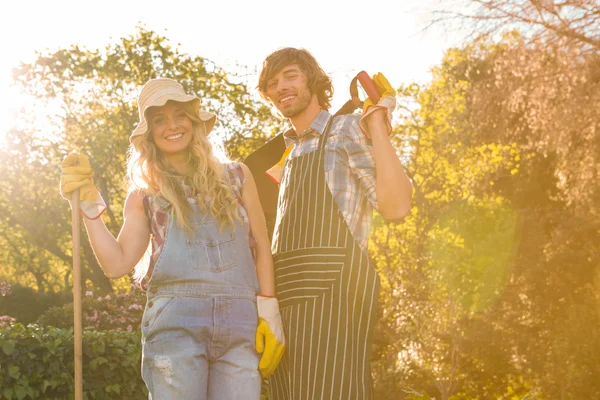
(325, 134)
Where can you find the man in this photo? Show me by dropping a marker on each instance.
(338, 170)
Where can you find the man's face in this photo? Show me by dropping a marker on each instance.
(288, 91)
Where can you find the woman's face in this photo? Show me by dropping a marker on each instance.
(171, 128)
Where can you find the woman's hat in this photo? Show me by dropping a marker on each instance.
(156, 93)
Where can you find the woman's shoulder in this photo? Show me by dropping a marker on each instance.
(150, 202)
(231, 165)
(235, 170)
(235, 176)
(135, 200)
(136, 196)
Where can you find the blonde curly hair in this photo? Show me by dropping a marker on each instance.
(150, 173)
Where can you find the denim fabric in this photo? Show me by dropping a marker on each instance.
(199, 325)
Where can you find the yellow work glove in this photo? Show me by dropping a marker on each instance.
(76, 173)
(276, 170)
(270, 340)
(387, 103)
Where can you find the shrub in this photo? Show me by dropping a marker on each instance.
(26, 305)
(39, 364)
(119, 311)
(6, 321)
(58, 317)
(5, 288)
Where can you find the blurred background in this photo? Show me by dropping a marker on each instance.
(491, 286)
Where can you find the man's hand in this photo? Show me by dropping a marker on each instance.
(270, 340)
(386, 103)
(76, 173)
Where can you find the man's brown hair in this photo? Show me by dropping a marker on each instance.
(318, 81)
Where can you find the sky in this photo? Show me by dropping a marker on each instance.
(345, 37)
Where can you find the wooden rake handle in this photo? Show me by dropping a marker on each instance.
(77, 328)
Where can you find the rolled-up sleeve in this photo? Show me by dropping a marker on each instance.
(360, 159)
(350, 175)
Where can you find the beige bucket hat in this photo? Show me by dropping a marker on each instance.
(156, 93)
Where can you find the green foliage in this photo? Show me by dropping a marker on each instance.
(6, 320)
(117, 311)
(5, 288)
(488, 282)
(86, 100)
(490, 287)
(58, 317)
(26, 305)
(40, 364)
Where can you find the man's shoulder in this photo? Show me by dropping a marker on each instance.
(347, 127)
(346, 119)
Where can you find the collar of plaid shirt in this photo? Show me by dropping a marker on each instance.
(317, 126)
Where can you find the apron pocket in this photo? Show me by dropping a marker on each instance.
(302, 275)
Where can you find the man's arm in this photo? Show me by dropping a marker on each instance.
(392, 186)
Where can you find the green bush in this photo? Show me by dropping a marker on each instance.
(58, 317)
(115, 311)
(37, 363)
(5, 288)
(26, 305)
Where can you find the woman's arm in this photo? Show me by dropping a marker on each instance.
(270, 339)
(264, 259)
(119, 256)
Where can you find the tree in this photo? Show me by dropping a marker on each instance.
(550, 21)
(88, 96)
(487, 284)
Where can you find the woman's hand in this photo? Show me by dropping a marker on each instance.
(76, 173)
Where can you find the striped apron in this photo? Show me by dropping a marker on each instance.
(326, 288)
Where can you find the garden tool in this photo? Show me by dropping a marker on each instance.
(77, 328)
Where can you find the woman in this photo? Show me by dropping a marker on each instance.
(210, 253)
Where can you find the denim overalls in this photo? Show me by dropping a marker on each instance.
(199, 325)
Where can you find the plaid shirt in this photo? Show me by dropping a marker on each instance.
(349, 168)
(157, 211)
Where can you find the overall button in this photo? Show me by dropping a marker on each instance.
(150, 304)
